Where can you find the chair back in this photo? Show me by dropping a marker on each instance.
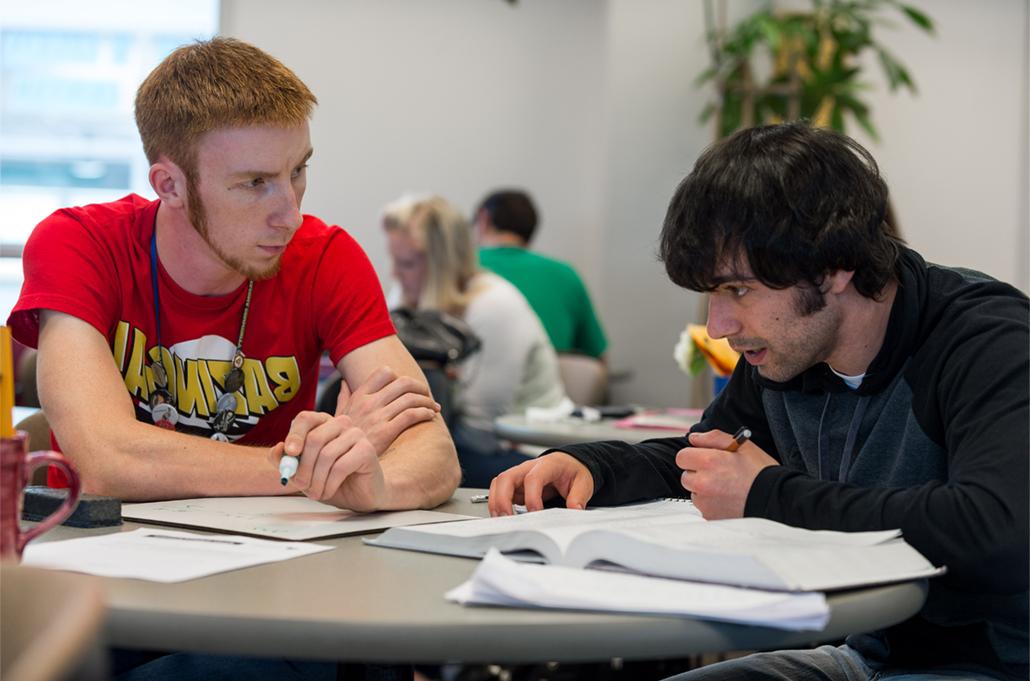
(585, 378)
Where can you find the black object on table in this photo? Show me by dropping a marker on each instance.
(92, 511)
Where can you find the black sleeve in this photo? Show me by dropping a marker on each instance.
(973, 400)
(625, 472)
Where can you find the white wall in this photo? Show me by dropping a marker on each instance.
(955, 155)
(655, 51)
(450, 96)
(589, 104)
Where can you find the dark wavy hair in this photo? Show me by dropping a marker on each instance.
(793, 202)
(511, 210)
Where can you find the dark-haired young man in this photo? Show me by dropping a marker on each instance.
(882, 392)
(505, 223)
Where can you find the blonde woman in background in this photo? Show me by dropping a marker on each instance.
(435, 264)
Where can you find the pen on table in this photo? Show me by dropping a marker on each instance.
(479, 498)
(287, 467)
(742, 435)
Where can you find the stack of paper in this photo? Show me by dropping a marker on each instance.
(502, 581)
(162, 555)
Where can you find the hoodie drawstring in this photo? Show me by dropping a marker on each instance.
(823, 441)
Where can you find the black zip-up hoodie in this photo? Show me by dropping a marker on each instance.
(935, 441)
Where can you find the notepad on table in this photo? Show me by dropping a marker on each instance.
(158, 555)
(670, 539)
(291, 517)
(673, 420)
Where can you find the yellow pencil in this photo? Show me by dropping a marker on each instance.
(6, 383)
(739, 438)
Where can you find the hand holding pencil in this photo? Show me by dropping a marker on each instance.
(718, 473)
(742, 435)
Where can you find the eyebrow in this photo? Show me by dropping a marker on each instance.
(731, 278)
(266, 173)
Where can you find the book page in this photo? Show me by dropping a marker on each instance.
(562, 525)
(292, 517)
(751, 552)
(841, 567)
(743, 534)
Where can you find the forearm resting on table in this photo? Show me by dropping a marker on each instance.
(92, 415)
(420, 467)
(145, 463)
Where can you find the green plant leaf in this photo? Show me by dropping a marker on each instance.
(918, 18)
(837, 119)
(706, 112)
(770, 31)
(905, 79)
(705, 76)
(867, 124)
(697, 363)
(890, 68)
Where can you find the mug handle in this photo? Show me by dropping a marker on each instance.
(33, 461)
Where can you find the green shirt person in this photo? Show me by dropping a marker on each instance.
(505, 223)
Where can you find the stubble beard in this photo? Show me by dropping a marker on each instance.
(798, 354)
(198, 217)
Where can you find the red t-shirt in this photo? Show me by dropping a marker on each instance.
(93, 262)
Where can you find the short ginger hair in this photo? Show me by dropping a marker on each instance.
(213, 84)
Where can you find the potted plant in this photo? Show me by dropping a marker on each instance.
(777, 66)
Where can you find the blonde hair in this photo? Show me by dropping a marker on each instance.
(440, 231)
(207, 85)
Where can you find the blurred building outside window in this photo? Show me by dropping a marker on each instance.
(68, 77)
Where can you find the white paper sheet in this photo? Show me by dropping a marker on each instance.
(295, 517)
(162, 555)
(501, 581)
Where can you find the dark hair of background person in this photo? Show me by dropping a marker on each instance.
(511, 210)
(796, 202)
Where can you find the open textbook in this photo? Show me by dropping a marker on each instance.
(290, 517)
(671, 539)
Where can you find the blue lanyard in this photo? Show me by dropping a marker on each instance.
(153, 280)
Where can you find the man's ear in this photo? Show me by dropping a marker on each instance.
(169, 182)
(837, 282)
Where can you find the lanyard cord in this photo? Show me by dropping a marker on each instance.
(153, 280)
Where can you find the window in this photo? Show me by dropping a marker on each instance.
(68, 77)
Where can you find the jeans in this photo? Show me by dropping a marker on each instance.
(825, 663)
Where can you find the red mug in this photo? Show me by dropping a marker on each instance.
(16, 466)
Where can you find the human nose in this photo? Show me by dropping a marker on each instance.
(287, 214)
(722, 321)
